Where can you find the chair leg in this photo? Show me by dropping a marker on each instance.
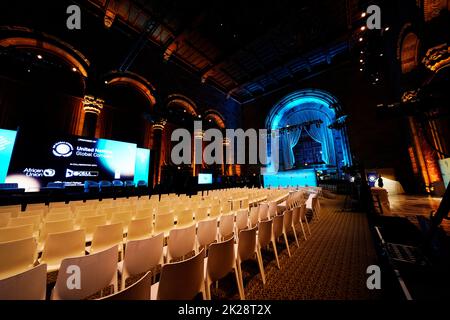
(241, 281)
(276, 253)
(303, 229)
(295, 235)
(287, 244)
(238, 281)
(261, 265)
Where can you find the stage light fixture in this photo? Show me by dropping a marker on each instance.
(74, 69)
(363, 28)
(39, 56)
(386, 29)
(363, 15)
(361, 39)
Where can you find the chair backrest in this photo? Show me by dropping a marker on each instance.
(58, 216)
(140, 229)
(16, 233)
(201, 213)
(55, 227)
(246, 244)
(143, 213)
(185, 218)
(90, 223)
(107, 236)
(181, 242)
(16, 256)
(182, 280)
(278, 225)
(263, 211)
(254, 217)
(245, 203)
(226, 225)
(28, 285)
(296, 215)
(4, 218)
(67, 209)
(21, 221)
(140, 290)
(59, 246)
(121, 217)
(14, 209)
(226, 206)
(221, 259)
(264, 232)
(96, 271)
(272, 209)
(164, 222)
(242, 219)
(142, 255)
(214, 211)
(302, 212)
(287, 220)
(207, 232)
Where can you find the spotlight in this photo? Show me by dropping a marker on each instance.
(106, 82)
(361, 60)
(74, 69)
(363, 28)
(363, 15)
(386, 29)
(361, 69)
(39, 56)
(381, 54)
(361, 39)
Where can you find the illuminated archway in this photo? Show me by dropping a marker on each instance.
(216, 117)
(132, 80)
(179, 100)
(409, 52)
(316, 112)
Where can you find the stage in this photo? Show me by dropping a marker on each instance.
(291, 178)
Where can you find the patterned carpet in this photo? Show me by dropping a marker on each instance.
(330, 265)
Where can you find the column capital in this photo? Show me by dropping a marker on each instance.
(160, 124)
(92, 104)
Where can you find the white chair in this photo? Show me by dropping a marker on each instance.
(122, 217)
(13, 209)
(140, 229)
(97, 271)
(90, 223)
(17, 256)
(16, 233)
(265, 237)
(185, 218)
(164, 222)
(107, 236)
(206, 233)
(220, 262)
(58, 216)
(59, 246)
(303, 217)
(226, 225)
(142, 256)
(296, 220)
(140, 290)
(54, 227)
(288, 225)
(278, 230)
(263, 212)
(254, 217)
(241, 220)
(272, 209)
(214, 211)
(181, 242)
(21, 221)
(181, 280)
(246, 249)
(201, 213)
(28, 285)
(143, 213)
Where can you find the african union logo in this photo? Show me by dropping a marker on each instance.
(62, 149)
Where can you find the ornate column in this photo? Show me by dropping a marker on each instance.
(227, 157)
(198, 147)
(92, 107)
(158, 128)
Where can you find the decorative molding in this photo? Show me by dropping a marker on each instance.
(92, 104)
(409, 96)
(160, 124)
(437, 57)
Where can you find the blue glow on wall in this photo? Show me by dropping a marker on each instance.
(142, 165)
(121, 159)
(7, 140)
(301, 178)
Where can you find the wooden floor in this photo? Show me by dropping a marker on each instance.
(331, 264)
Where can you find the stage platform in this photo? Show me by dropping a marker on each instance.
(291, 178)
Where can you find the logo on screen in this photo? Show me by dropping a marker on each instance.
(49, 173)
(72, 173)
(62, 149)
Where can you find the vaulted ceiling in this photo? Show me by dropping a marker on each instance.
(244, 48)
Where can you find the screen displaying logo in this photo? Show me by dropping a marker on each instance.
(71, 173)
(62, 149)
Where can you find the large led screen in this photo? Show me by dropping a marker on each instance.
(7, 139)
(38, 160)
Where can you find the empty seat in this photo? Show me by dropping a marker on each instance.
(201, 213)
(140, 229)
(181, 242)
(58, 216)
(181, 280)
(122, 217)
(27, 285)
(143, 213)
(16, 256)
(214, 211)
(296, 220)
(289, 226)
(265, 237)
(106, 236)
(263, 212)
(59, 246)
(21, 221)
(142, 256)
(206, 233)
(4, 219)
(241, 220)
(220, 262)
(254, 218)
(278, 230)
(185, 218)
(96, 272)
(89, 224)
(226, 225)
(13, 209)
(164, 222)
(16, 233)
(54, 227)
(247, 249)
